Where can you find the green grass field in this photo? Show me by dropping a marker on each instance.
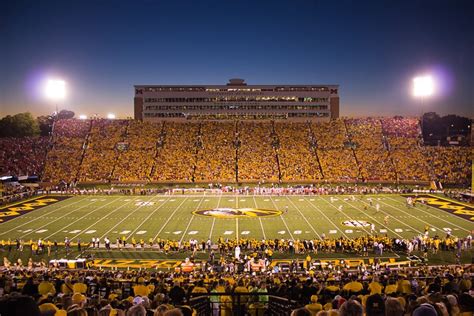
(171, 217)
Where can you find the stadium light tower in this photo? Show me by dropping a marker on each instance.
(111, 116)
(55, 90)
(423, 86)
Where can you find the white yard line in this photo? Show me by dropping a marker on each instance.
(123, 219)
(259, 219)
(375, 220)
(146, 218)
(39, 217)
(304, 217)
(327, 218)
(212, 227)
(80, 218)
(431, 216)
(55, 220)
(214, 219)
(102, 218)
(284, 222)
(191, 220)
(343, 213)
(169, 218)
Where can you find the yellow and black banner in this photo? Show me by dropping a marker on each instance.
(14, 210)
(462, 210)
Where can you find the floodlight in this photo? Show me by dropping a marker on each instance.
(423, 86)
(83, 117)
(55, 89)
(111, 116)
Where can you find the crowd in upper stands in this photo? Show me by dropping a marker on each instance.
(23, 156)
(362, 149)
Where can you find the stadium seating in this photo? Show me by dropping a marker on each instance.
(361, 149)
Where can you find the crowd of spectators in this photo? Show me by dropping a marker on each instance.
(371, 291)
(176, 158)
(256, 155)
(64, 158)
(216, 155)
(296, 153)
(23, 156)
(358, 149)
(102, 152)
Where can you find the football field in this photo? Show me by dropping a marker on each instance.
(202, 217)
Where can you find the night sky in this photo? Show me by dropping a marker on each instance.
(372, 49)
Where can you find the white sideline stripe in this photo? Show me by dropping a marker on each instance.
(41, 231)
(333, 231)
(124, 232)
(77, 220)
(102, 218)
(90, 231)
(123, 219)
(259, 219)
(327, 218)
(74, 231)
(39, 217)
(282, 232)
(245, 232)
(177, 232)
(169, 218)
(193, 232)
(282, 218)
(228, 232)
(141, 232)
(57, 219)
(146, 218)
(304, 217)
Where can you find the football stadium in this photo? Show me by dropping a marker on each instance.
(235, 198)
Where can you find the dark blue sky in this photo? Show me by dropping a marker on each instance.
(371, 48)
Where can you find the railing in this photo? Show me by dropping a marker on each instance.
(239, 304)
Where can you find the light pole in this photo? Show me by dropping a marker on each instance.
(55, 90)
(423, 86)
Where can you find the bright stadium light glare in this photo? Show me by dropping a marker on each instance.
(111, 116)
(83, 117)
(423, 86)
(55, 89)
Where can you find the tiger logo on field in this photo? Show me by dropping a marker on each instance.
(227, 212)
(356, 223)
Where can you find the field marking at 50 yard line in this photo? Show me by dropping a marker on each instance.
(102, 218)
(281, 216)
(374, 219)
(420, 220)
(169, 218)
(80, 218)
(259, 219)
(190, 220)
(394, 217)
(431, 215)
(42, 226)
(327, 218)
(146, 218)
(304, 217)
(343, 213)
(123, 219)
(37, 218)
(214, 219)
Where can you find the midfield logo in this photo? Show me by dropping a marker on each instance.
(237, 212)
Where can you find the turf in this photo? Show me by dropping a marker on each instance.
(171, 217)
